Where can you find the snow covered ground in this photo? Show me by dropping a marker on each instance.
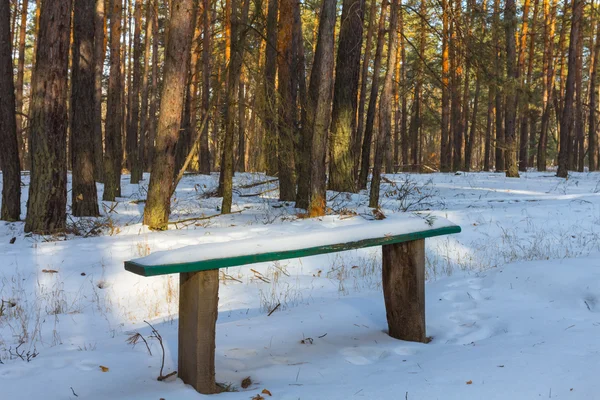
(513, 302)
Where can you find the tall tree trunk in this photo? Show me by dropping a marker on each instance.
(548, 80)
(99, 54)
(593, 118)
(365, 162)
(20, 80)
(456, 65)
(404, 96)
(318, 115)
(46, 208)
(133, 128)
(566, 122)
(445, 149)
(241, 156)
(206, 69)
(238, 19)
(343, 123)
(356, 145)
(512, 98)
(181, 28)
(9, 156)
(498, 89)
(287, 90)
(145, 90)
(270, 100)
(113, 155)
(579, 135)
(487, 152)
(522, 95)
(152, 120)
(385, 107)
(83, 194)
(528, 137)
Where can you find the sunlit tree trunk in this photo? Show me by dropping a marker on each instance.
(365, 160)
(385, 107)
(548, 81)
(20, 83)
(356, 145)
(512, 75)
(113, 155)
(593, 118)
(343, 123)
(99, 55)
(566, 122)
(445, 150)
(9, 156)
(318, 115)
(270, 103)
(83, 194)
(145, 90)
(238, 23)
(181, 28)
(206, 70)
(46, 207)
(287, 90)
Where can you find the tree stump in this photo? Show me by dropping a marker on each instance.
(404, 289)
(198, 302)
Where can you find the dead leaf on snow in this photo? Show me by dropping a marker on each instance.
(103, 368)
(265, 391)
(246, 382)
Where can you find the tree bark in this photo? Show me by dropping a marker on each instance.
(46, 208)
(579, 136)
(343, 123)
(152, 120)
(445, 160)
(566, 122)
(145, 90)
(287, 90)
(365, 162)
(19, 85)
(133, 129)
(206, 70)
(524, 83)
(83, 194)
(498, 89)
(99, 54)
(238, 19)
(593, 118)
(548, 80)
(113, 155)
(385, 108)
(512, 98)
(181, 28)
(318, 115)
(9, 156)
(270, 100)
(356, 146)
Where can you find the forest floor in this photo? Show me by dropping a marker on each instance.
(513, 302)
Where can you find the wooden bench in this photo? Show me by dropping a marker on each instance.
(403, 256)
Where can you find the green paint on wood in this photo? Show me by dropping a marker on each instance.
(206, 265)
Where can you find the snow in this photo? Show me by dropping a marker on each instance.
(513, 302)
(297, 236)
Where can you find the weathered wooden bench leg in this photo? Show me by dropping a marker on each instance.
(404, 289)
(198, 302)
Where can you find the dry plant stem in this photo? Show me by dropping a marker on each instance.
(157, 335)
